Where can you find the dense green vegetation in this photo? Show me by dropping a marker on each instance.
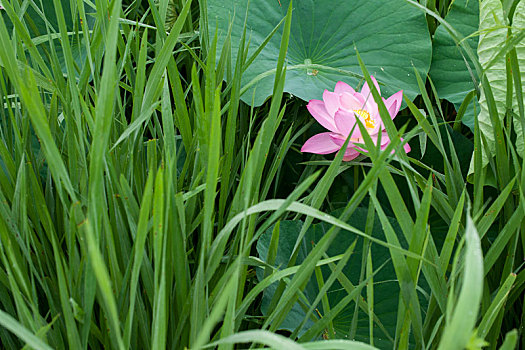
(153, 194)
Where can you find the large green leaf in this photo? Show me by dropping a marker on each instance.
(518, 24)
(493, 38)
(449, 70)
(386, 287)
(391, 36)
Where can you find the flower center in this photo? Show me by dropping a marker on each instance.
(369, 122)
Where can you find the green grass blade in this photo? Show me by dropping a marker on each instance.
(138, 247)
(275, 341)
(511, 339)
(496, 306)
(23, 333)
(457, 332)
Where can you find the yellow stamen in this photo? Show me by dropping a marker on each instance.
(369, 122)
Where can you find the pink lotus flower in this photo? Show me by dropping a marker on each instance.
(338, 113)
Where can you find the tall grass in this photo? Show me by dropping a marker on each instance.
(135, 185)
